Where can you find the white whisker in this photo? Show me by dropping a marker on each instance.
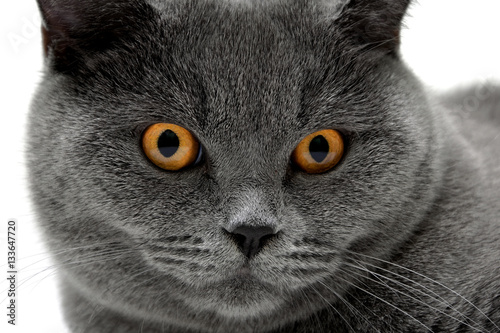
(332, 307)
(431, 280)
(413, 298)
(437, 297)
(386, 302)
(349, 306)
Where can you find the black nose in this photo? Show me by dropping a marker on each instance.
(251, 239)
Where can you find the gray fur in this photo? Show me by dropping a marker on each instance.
(402, 236)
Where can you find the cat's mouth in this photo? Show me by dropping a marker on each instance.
(244, 272)
(244, 278)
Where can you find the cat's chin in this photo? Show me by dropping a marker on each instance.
(239, 297)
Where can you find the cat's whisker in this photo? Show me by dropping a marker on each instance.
(360, 282)
(87, 246)
(331, 306)
(52, 269)
(411, 297)
(427, 291)
(347, 304)
(85, 260)
(62, 252)
(350, 294)
(384, 301)
(132, 277)
(67, 262)
(97, 308)
(309, 304)
(89, 257)
(431, 280)
(50, 254)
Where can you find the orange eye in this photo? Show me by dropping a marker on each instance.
(169, 146)
(319, 152)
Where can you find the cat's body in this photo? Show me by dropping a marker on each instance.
(413, 201)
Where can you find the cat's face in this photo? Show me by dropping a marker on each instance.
(249, 82)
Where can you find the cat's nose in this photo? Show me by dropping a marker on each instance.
(251, 239)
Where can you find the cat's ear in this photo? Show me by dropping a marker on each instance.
(72, 29)
(373, 24)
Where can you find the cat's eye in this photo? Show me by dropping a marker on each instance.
(171, 147)
(319, 152)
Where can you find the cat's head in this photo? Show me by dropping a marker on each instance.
(249, 81)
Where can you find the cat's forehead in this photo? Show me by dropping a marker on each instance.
(332, 6)
(248, 73)
(252, 26)
(252, 59)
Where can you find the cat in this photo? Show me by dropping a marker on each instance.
(260, 166)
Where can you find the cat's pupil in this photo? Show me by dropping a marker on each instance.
(168, 143)
(319, 148)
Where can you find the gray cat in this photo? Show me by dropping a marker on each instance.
(260, 166)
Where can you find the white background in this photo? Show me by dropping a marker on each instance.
(447, 43)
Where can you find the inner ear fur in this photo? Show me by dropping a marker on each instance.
(72, 30)
(373, 24)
